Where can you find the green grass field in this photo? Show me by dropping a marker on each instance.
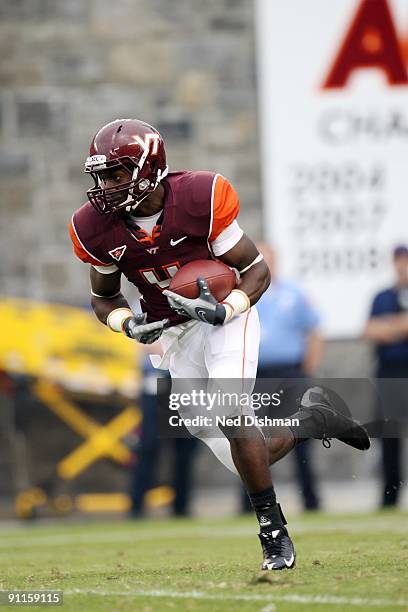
(344, 563)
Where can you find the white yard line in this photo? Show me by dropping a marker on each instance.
(293, 598)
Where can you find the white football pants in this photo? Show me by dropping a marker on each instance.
(196, 350)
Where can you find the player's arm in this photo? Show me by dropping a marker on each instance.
(234, 248)
(106, 295)
(255, 279)
(255, 275)
(112, 309)
(108, 303)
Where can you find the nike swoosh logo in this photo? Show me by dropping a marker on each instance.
(174, 242)
(290, 562)
(203, 315)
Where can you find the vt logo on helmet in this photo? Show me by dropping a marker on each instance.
(131, 148)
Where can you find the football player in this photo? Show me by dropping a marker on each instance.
(145, 222)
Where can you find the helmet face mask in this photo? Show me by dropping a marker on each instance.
(123, 197)
(133, 146)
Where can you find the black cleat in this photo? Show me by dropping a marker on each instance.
(329, 422)
(278, 550)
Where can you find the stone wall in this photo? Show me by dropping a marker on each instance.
(69, 66)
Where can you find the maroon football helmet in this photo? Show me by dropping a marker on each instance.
(138, 148)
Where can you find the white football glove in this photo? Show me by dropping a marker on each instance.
(146, 333)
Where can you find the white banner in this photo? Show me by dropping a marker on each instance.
(333, 84)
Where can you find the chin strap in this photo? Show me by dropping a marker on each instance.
(160, 176)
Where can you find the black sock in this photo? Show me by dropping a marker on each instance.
(268, 512)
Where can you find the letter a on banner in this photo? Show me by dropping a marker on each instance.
(371, 42)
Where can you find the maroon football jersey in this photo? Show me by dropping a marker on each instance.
(182, 235)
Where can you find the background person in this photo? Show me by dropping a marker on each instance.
(151, 447)
(387, 328)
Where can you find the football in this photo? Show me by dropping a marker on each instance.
(220, 278)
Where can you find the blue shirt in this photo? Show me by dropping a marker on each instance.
(386, 303)
(286, 320)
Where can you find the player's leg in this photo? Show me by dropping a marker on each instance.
(231, 354)
(187, 368)
(280, 445)
(184, 357)
(318, 418)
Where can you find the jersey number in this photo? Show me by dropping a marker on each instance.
(162, 276)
